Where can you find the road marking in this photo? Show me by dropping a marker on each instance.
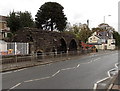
(42, 78)
(69, 68)
(114, 69)
(78, 65)
(95, 86)
(109, 76)
(15, 86)
(103, 80)
(37, 79)
(52, 75)
(19, 70)
(13, 71)
(29, 81)
(111, 85)
(91, 61)
(116, 65)
(96, 59)
(56, 73)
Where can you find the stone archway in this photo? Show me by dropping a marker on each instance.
(39, 54)
(62, 48)
(73, 45)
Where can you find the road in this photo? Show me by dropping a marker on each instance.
(72, 74)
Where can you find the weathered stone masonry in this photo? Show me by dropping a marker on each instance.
(47, 41)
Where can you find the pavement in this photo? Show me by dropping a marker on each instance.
(116, 83)
(31, 63)
(77, 73)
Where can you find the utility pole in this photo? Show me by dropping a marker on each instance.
(88, 23)
(104, 18)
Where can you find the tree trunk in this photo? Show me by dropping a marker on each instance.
(51, 25)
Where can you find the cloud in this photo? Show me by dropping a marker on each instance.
(75, 10)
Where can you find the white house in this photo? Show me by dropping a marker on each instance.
(102, 40)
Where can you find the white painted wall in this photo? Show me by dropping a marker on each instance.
(3, 46)
(110, 44)
(93, 39)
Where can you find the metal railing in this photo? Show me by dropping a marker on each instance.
(12, 61)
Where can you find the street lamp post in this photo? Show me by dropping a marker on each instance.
(104, 18)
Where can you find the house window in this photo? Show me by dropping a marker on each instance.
(112, 43)
(106, 41)
(90, 39)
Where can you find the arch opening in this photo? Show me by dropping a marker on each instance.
(73, 45)
(39, 54)
(62, 48)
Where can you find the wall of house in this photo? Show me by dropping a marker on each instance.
(101, 47)
(3, 27)
(112, 47)
(0, 35)
(3, 34)
(3, 46)
(105, 46)
(3, 24)
(111, 44)
(93, 39)
(103, 43)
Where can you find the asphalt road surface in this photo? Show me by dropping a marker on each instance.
(72, 74)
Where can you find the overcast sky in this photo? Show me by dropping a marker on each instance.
(77, 11)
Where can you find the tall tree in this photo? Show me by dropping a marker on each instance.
(25, 19)
(85, 33)
(116, 36)
(18, 20)
(81, 31)
(50, 16)
(13, 22)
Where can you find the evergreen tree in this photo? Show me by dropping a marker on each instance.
(13, 22)
(19, 20)
(25, 19)
(116, 36)
(50, 16)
